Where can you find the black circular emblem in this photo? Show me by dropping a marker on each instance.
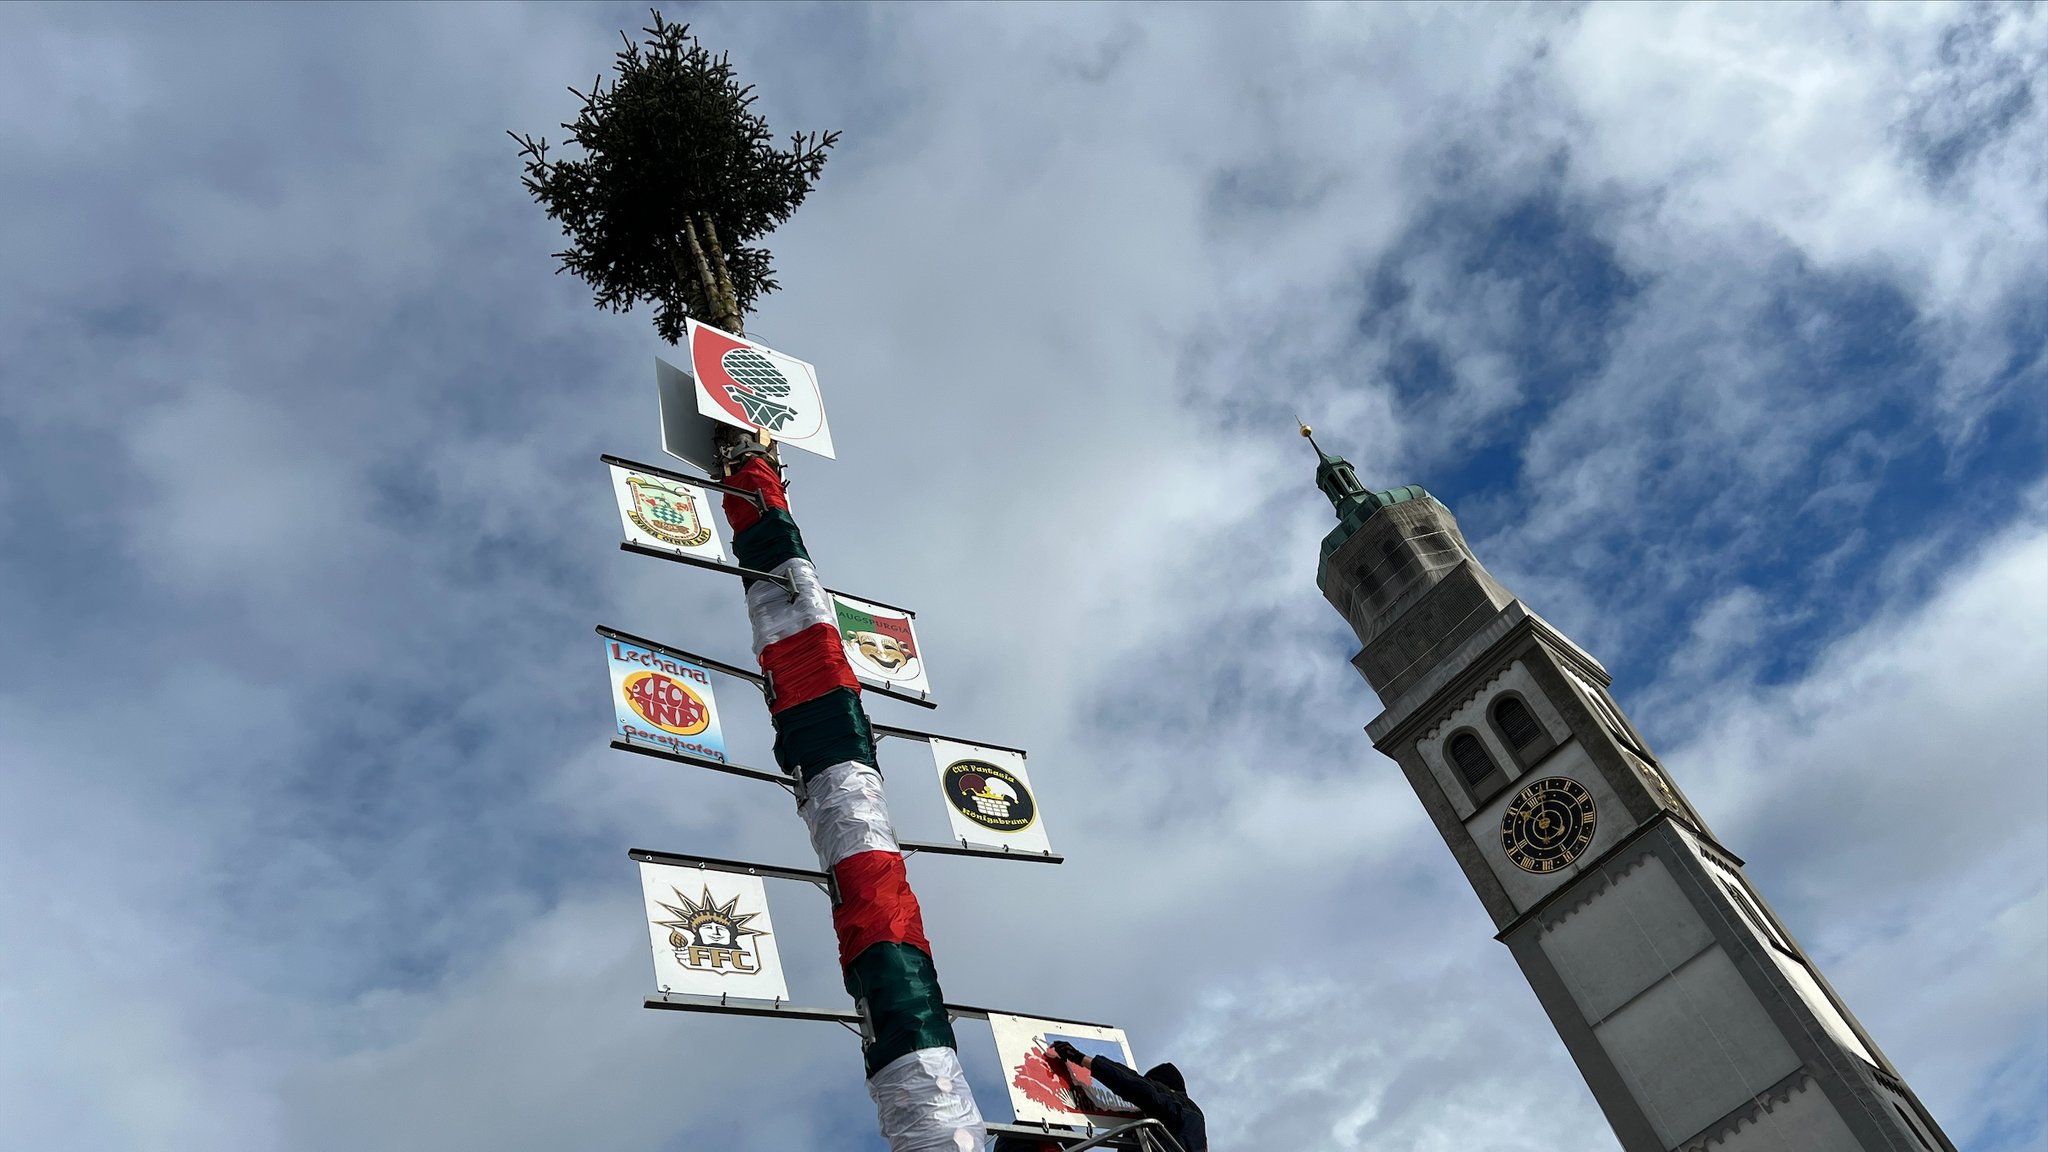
(990, 796)
(1548, 824)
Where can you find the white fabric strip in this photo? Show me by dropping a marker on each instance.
(845, 810)
(925, 1105)
(775, 616)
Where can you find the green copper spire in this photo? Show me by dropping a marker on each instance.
(1348, 495)
(1338, 479)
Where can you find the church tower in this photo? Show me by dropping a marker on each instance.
(1697, 1020)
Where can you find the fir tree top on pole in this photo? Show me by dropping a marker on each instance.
(678, 180)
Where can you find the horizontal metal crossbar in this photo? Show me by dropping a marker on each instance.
(944, 848)
(740, 1006)
(660, 753)
(681, 1002)
(914, 734)
(747, 494)
(786, 582)
(907, 698)
(684, 860)
(715, 665)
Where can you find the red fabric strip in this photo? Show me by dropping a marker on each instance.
(755, 476)
(876, 905)
(806, 665)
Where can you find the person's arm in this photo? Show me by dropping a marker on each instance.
(1125, 1083)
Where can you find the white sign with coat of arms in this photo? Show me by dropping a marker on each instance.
(711, 933)
(989, 797)
(660, 512)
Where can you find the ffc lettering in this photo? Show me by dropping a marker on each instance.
(711, 937)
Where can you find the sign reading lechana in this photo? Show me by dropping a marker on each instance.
(668, 514)
(881, 645)
(988, 797)
(711, 933)
(1041, 1091)
(664, 700)
(752, 386)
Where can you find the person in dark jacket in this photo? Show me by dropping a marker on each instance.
(1160, 1094)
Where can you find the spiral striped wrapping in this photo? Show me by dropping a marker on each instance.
(822, 737)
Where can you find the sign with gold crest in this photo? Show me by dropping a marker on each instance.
(711, 933)
(661, 512)
(988, 797)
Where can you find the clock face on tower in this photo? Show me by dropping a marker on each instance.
(1548, 825)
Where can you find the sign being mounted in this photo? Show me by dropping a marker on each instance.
(666, 514)
(1041, 1091)
(711, 933)
(988, 797)
(752, 386)
(881, 644)
(663, 700)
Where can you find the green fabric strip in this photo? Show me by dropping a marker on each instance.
(905, 1007)
(816, 734)
(772, 540)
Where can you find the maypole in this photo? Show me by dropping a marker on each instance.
(824, 738)
(679, 177)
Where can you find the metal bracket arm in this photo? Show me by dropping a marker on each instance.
(735, 670)
(942, 848)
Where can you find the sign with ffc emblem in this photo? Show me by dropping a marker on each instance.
(881, 645)
(1047, 1090)
(752, 386)
(988, 797)
(660, 698)
(667, 514)
(711, 933)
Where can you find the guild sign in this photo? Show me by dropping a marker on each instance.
(668, 512)
(1548, 825)
(667, 704)
(1045, 1090)
(881, 645)
(707, 936)
(664, 512)
(752, 386)
(719, 943)
(661, 699)
(989, 795)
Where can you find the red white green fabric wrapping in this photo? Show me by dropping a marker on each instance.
(822, 737)
(923, 1095)
(776, 615)
(845, 811)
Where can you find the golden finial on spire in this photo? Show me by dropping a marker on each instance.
(1306, 431)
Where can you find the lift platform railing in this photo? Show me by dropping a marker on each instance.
(1160, 1139)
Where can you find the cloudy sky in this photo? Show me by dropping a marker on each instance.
(1721, 329)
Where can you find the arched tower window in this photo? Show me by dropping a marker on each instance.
(1470, 757)
(1516, 724)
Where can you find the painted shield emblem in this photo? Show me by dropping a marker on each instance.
(667, 512)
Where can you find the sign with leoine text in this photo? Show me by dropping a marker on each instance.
(753, 386)
(667, 514)
(711, 933)
(988, 797)
(1047, 1090)
(881, 645)
(663, 700)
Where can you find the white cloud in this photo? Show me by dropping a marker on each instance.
(1065, 280)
